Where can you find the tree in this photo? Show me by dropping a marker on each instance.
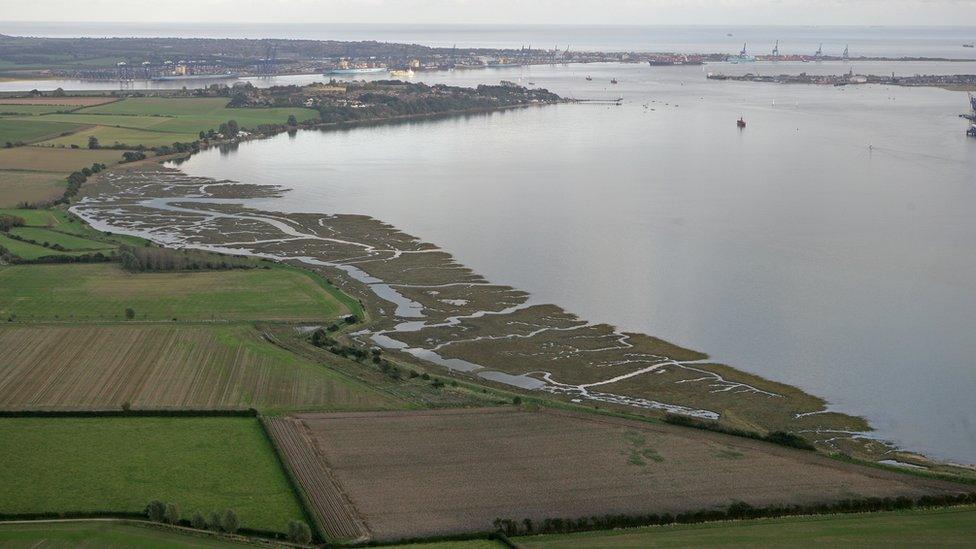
(156, 510)
(216, 522)
(172, 514)
(198, 521)
(229, 522)
(203, 135)
(299, 532)
(292, 121)
(129, 313)
(93, 142)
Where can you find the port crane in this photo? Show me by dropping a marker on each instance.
(776, 49)
(819, 53)
(971, 132)
(847, 54)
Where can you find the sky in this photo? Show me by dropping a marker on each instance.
(646, 12)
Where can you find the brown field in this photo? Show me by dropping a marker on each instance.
(66, 101)
(52, 159)
(424, 473)
(18, 187)
(333, 512)
(165, 367)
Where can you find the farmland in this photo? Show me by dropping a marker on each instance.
(37, 174)
(119, 464)
(412, 474)
(953, 527)
(101, 534)
(86, 292)
(154, 121)
(66, 101)
(166, 367)
(30, 251)
(30, 130)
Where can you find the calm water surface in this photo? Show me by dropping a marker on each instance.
(829, 245)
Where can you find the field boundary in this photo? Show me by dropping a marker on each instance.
(218, 412)
(336, 519)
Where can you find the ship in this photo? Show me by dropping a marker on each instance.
(402, 73)
(743, 57)
(221, 76)
(740, 122)
(967, 45)
(500, 65)
(367, 70)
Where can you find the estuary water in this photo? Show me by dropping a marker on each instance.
(828, 245)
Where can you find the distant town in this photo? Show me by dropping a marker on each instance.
(129, 59)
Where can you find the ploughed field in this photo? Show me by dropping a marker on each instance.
(97, 367)
(87, 465)
(427, 473)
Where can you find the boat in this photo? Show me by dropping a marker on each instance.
(589, 78)
(613, 80)
(221, 76)
(401, 72)
(366, 70)
(502, 65)
(743, 57)
(740, 122)
(967, 45)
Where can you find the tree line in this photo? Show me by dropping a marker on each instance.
(144, 259)
(735, 511)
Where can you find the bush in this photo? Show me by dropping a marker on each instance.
(172, 513)
(156, 511)
(198, 521)
(129, 313)
(299, 532)
(229, 521)
(216, 522)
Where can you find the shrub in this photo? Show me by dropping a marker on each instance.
(216, 522)
(198, 521)
(129, 313)
(229, 521)
(299, 532)
(156, 510)
(172, 513)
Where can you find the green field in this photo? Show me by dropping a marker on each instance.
(945, 527)
(92, 534)
(28, 251)
(67, 241)
(15, 110)
(120, 464)
(154, 121)
(30, 130)
(34, 218)
(95, 292)
(111, 136)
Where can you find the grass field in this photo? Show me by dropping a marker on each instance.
(120, 464)
(34, 218)
(412, 474)
(165, 367)
(26, 250)
(97, 535)
(108, 135)
(31, 130)
(38, 174)
(947, 527)
(66, 241)
(86, 292)
(154, 121)
(52, 159)
(21, 109)
(69, 101)
(17, 187)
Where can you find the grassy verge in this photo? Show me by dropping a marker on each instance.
(82, 465)
(102, 534)
(943, 527)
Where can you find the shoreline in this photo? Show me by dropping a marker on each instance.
(411, 333)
